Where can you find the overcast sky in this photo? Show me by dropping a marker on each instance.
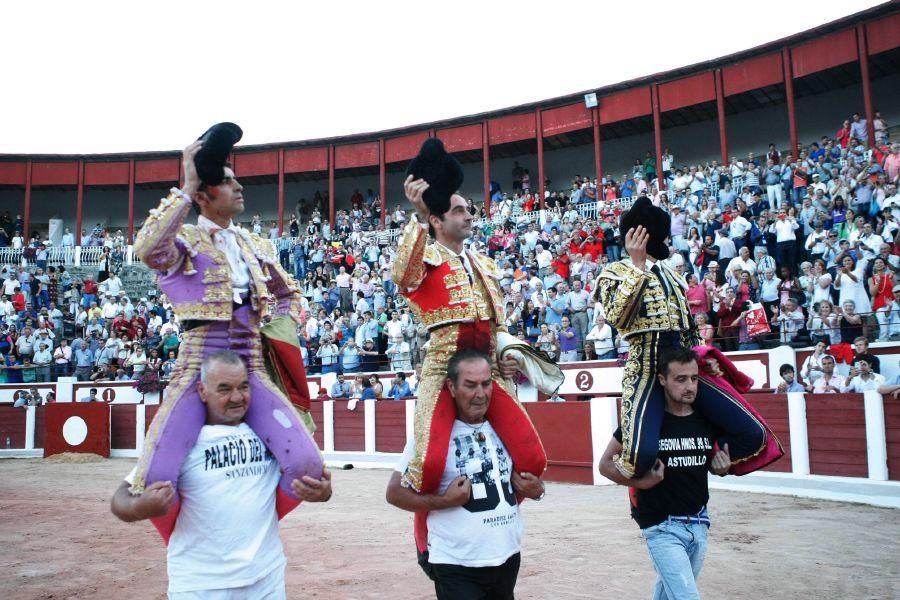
(97, 77)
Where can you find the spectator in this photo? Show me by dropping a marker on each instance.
(568, 342)
(788, 383)
(399, 387)
(861, 352)
(862, 378)
(602, 337)
(340, 388)
(91, 397)
(829, 382)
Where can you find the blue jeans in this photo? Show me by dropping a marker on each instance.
(614, 252)
(677, 551)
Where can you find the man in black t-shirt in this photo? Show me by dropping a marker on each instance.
(669, 501)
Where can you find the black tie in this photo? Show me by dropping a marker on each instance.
(659, 275)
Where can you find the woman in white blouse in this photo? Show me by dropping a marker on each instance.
(824, 323)
(851, 281)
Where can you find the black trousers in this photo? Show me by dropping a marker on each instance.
(453, 582)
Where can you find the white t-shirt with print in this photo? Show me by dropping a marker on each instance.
(487, 530)
(226, 535)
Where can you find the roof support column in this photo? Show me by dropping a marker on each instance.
(27, 214)
(130, 202)
(331, 187)
(657, 136)
(863, 46)
(539, 131)
(720, 107)
(79, 210)
(789, 93)
(382, 177)
(598, 157)
(486, 157)
(280, 191)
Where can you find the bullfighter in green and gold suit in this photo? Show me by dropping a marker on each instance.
(645, 300)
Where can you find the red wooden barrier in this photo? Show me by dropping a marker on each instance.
(122, 426)
(149, 413)
(349, 427)
(62, 420)
(12, 426)
(316, 410)
(892, 432)
(39, 426)
(774, 409)
(565, 430)
(837, 435)
(390, 426)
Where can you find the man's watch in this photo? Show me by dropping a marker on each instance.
(543, 493)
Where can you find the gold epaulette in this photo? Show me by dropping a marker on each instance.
(190, 234)
(488, 264)
(432, 255)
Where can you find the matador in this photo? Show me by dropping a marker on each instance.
(222, 282)
(456, 294)
(645, 300)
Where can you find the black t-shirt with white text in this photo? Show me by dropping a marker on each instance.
(685, 448)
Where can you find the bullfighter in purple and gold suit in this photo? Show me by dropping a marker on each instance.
(221, 281)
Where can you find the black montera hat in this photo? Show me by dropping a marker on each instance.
(654, 219)
(217, 144)
(443, 173)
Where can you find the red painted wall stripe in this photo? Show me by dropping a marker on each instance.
(62, 173)
(13, 173)
(752, 74)
(256, 163)
(158, 170)
(573, 117)
(687, 91)
(108, 173)
(356, 155)
(459, 139)
(823, 53)
(511, 128)
(883, 34)
(305, 160)
(625, 105)
(403, 148)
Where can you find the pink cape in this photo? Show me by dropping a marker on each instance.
(735, 383)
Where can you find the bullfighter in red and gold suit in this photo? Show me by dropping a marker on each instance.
(456, 294)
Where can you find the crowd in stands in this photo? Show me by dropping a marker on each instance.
(811, 239)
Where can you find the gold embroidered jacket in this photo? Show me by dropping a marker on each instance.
(437, 285)
(635, 301)
(195, 275)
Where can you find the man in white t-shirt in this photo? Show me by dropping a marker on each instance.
(862, 378)
(474, 522)
(227, 487)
